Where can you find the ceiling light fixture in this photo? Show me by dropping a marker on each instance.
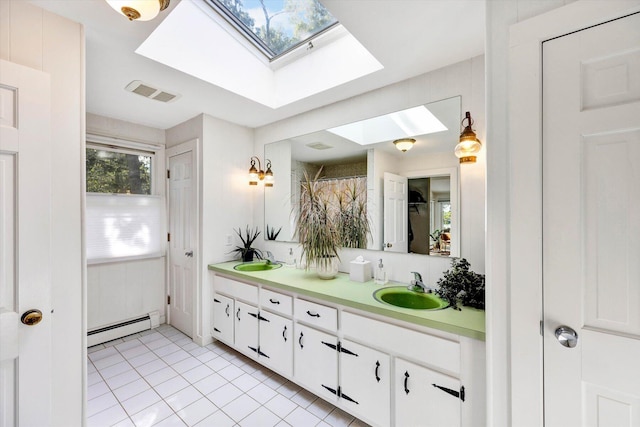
(404, 144)
(139, 10)
(259, 174)
(469, 145)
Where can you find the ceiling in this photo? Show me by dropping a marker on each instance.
(409, 38)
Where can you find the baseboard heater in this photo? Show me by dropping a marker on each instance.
(122, 329)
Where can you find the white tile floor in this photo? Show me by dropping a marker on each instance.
(161, 378)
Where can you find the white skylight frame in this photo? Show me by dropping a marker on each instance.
(400, 124)
(255, 40)
(187, 41)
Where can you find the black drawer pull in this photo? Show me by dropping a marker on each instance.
(284, 334)
(300, 340)
(377, 368)
(312, 314)
(273, 301)
(406, 379)
(226, 310)
(238, 314)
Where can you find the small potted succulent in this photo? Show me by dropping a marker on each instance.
(246, 251)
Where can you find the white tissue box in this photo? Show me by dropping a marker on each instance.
(360, 271)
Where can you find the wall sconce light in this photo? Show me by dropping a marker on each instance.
(139, 10)
(469, 145)
(404, 144)
(259, 174)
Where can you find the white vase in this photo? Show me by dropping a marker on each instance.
(327, 269)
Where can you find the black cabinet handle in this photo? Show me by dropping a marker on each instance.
(284, 333)
(377, 368)
(238, 314)
(217, 330)
(454, 393)
(274, 301)
(406, 379)
(226, 310)
(332, 346)
(216, 300)
(300, 340)
(312, 314)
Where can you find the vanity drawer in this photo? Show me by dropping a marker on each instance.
(235, 289)
(436, 351)
(275, 301)
(316, 314)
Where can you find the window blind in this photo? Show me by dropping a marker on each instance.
(123, 226)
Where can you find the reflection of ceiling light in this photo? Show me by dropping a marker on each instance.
(469, 145)
(410, 122)
(404, 144)
(139, 10)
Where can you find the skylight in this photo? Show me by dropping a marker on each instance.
(401, 124)
(276, 26)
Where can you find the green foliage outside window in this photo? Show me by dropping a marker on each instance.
(117, 172)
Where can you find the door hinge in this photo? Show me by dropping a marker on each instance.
(168, 174)
(459, 394)
(542, 328)
(168, 237)
(168, 299)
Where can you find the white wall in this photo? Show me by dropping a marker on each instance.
(226, 198)
(466, 79)
(38, 39)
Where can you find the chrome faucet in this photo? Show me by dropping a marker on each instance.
(417, 285)
(270, 258)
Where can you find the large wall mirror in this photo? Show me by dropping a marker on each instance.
(411, 197)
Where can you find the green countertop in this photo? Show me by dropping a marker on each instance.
(469, 322)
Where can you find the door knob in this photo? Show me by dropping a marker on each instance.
(567, 336)
(31, 317)
(189, 254)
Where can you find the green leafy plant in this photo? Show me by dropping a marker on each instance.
(316, 225)
(460, 284)
(272, 234)
(246, 251)
(352, 221)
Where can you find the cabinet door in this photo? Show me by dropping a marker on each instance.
(316, 362)
(245, 318)
(423, 397)
(276, 343)
(222, 318)
(365, 385)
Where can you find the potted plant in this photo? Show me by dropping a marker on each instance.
(460, 284)
(246, 251)
(316, 228)
(352, 221)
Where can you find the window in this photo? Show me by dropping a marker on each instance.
(118, 170)
(276, 26)
(124, 219)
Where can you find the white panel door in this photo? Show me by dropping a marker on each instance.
(25, 247)
(182, 228)
(396, 217)
(591, 226)
(276, 343)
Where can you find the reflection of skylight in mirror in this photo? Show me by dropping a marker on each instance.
(276, 26)
(401, 124)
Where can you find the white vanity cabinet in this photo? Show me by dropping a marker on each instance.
(245, 319)
(426, 398)
(386, 372)
(365, 382)
(223, 318)
(276, 343)
(316, 361)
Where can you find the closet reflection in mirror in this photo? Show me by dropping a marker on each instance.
(430, 160)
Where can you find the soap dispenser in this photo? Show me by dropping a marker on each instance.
(381, 275)
(291, 259)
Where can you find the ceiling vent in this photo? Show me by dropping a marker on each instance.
(319, 146)
(148, 91)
